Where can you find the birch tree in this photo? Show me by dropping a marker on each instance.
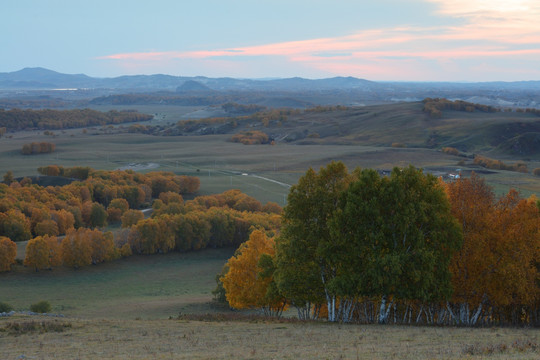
(394, 238)
(303, 272)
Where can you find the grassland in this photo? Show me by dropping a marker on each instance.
(181, 339)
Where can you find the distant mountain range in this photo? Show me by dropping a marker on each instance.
(40, 78)
(344, 90)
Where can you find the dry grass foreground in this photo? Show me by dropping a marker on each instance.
(24, 337)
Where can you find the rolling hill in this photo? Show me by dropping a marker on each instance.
(398, 125)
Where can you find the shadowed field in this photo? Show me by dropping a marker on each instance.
(154, 286)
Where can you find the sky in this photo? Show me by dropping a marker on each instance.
(382, 40)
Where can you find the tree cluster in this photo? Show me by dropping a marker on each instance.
(17, 119)
(400, 249)
(38, 148)
(103, 196)
(207, 221)
(495, 274)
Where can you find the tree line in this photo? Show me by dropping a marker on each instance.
(406, 248)
(434, 106)
(47, 119)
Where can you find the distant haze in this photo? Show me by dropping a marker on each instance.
(386, 40)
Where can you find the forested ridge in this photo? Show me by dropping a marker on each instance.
(17, 119)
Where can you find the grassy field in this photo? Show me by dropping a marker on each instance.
(359, 137)
(181, 339)
(220, 164)
(145, 287)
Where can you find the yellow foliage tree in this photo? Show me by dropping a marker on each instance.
(76, 248)
(243, 283)
(37, 253)
(8, 252)
(43, 252)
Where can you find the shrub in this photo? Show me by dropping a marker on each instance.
(536, 172)
(41, 307)
(450, 151)
(250, 137)
(5, 307)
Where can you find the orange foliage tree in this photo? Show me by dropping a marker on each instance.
(497, 265)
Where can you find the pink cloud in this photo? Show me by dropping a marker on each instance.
(494, 30)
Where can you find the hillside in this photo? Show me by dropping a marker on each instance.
(398, 125)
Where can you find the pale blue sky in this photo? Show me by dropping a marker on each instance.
(430, 40)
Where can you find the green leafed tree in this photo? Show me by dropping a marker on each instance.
(302, 270)
(393, 238)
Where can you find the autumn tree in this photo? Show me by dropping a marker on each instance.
(46, 227)
(64, 219)
(131, 217)
(243, 283)
(191, 231)
(497, 264)
(15, 225)
(272, 208)
(102, 244)
(8, 252)
(152, 236)
(116, 209)
(76, 248)
(43, 252)
(98, 216)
